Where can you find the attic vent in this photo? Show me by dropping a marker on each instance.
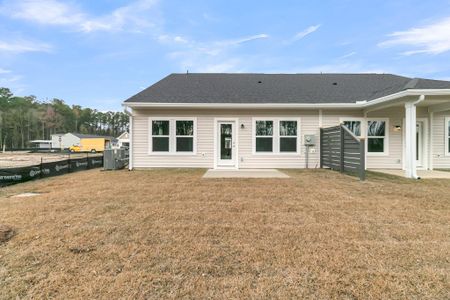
(334, 83)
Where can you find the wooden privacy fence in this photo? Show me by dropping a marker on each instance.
(342, 151)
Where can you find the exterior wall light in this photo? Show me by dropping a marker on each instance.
(242, 126)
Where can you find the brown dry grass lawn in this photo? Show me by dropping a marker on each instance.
(171, 234)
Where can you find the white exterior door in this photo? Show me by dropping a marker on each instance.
(226, 144)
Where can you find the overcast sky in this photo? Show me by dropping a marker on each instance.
(98, 53)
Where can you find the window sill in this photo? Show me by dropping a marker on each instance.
(278, 153)
(377, 154)
(172, 153)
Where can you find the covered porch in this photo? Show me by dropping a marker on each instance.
(417, 135)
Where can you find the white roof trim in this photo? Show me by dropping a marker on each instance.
(358, 104)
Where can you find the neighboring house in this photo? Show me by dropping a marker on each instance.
(259, 120)
(64, 140)
(85, 141)
(123, 140)
(41, 144)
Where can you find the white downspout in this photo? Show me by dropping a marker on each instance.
(410, 134)
(130, 148)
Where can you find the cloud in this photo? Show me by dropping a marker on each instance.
(4, 71)
(344, 68)
(214, 56)
(58, 13)
(23, 46)
(347, 55)
(304, 33)
(430, 39)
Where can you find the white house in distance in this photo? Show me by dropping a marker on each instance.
(259, 120)
(124, 140)
(41, 144)
(64, 140)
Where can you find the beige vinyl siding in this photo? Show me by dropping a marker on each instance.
(440, 159)
(394, 158)
(204, 158)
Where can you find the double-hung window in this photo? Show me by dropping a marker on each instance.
(172, 136)
(264, 136)
(376, 136)
(288, 136)
(160, 135)
(354, 126)
(185, 135)
(276, 135)
(376, 133)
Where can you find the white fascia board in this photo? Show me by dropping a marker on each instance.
(357, 105)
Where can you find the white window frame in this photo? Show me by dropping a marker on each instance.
(386, 137)
(365, 135)
(172, 136)
(361, 120)
(447, 119)
(276, 135)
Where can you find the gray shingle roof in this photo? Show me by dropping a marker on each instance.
(279, 88)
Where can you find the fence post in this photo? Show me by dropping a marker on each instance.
(68, 161)
(40, 168)
(362, 159)
(320, 148)
(87, 161)
(342, 149)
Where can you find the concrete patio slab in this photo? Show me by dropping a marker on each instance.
(244, 173)
(424, 174)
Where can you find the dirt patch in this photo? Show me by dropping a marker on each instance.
(25, 195)
(6, 233)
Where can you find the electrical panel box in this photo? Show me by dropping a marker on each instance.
(310, 139)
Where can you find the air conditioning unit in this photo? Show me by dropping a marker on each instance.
(115, 159)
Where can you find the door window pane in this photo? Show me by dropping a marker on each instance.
(288, 144)
(354, 126)
(160, 144)
(288, 128)
(160, 127)
(375, 145)
(226, 141)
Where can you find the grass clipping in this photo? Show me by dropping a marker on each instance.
(6, 233)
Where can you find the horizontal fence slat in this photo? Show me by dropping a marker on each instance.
(341, 150)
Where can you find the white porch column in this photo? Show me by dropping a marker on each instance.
(410, 138)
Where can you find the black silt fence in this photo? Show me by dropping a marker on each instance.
(10, 176)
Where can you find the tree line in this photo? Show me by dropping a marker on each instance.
(23, 119)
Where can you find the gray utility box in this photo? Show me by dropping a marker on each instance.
(310, 139)
(115, 159)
